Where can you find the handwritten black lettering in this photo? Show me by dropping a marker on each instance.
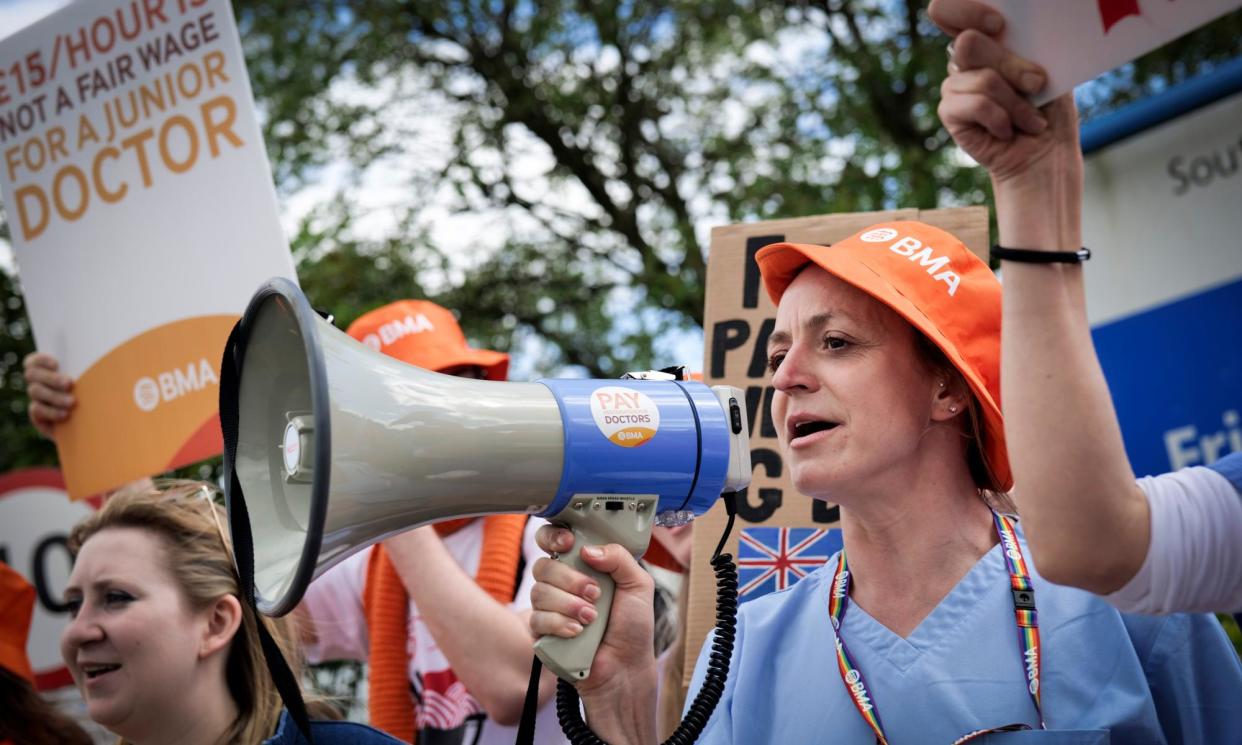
(750, 285)
(759, 358)
(822, 512)
(726, 336)
(769, 499)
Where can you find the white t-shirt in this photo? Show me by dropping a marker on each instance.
(448, 714)
(1194, 560)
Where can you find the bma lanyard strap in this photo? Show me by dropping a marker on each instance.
(1024, 614)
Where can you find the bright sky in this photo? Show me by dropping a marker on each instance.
(17, 14)
(384, 191)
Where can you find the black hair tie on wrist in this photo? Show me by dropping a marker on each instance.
(1032, 256)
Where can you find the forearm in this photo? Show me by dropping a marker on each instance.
(488, 645)
(1084, 517)
(625, 714)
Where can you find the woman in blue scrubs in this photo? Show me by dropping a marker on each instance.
(930, 626)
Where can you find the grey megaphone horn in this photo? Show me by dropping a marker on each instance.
(336, 447)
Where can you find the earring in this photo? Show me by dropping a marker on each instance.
(952, 409)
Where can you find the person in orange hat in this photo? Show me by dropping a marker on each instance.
(930, 625)
(427, 335)
(27, 719)
(437, 611)
(1174, 539)
(17, 599)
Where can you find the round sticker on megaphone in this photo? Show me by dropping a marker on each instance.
(625, 416)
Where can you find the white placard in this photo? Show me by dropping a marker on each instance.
(143, 217)
(1077, 40)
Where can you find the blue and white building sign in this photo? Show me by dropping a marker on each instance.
(1163, 217)
(1176, 376)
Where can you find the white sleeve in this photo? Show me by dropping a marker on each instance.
(1194, 560)
(334, 604)
(530, 554)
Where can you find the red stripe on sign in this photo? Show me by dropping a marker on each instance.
(206, 442)
(27, 477)
(1112, 11)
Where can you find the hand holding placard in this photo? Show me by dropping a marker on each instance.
(50, 391)
(1077, 40)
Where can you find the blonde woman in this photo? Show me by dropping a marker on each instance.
(160, 643)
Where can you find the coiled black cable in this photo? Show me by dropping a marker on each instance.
(692, 724)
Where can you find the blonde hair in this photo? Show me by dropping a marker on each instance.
(187, 516)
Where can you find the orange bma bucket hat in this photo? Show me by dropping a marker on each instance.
(17, 598)
(425, 335)
(933, 281)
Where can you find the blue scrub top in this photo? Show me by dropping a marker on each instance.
(1230, 467)
(1136, 679)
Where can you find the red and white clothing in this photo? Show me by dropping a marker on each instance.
(447, 713)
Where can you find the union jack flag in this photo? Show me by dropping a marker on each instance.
(771, 559)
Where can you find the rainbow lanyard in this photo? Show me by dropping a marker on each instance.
(1024, 614)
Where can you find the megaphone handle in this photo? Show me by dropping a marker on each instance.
(595, 520)
(571, 658)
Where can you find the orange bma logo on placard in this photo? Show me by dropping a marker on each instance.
(148, 406)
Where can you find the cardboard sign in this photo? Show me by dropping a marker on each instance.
(737, 322)
(35, 518)
(1077, 40)
(143, 217)
(1164, 285)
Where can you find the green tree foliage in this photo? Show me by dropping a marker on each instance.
(598, 140)
(649, 121)
(20, 444)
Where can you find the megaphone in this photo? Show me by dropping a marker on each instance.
(336, 446)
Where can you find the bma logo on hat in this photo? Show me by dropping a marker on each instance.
(879, 235)
(394, 330)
